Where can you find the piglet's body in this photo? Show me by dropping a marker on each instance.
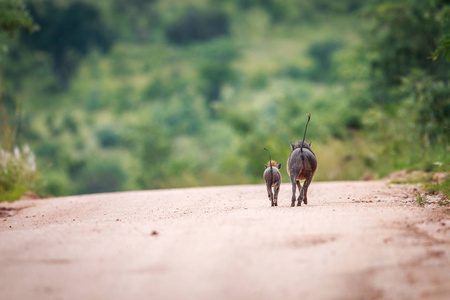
(272, 177)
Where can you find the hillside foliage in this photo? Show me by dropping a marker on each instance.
(133, 94)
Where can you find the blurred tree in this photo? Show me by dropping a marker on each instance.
(100, 175)
(68, 34)
(14, 16)
(322, 53)
(443, 17)
(299, 10)
(427, 104)
(443, 49)
(218, 69)
(198, 25)
(215, 76)
(137, 16)
(338, 6)
(404, 37)
(155, 149)
(275, 8)
(112, 137)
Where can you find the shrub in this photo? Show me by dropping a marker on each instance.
(109, 137)
(101, 174)
(197, 25)
(215, 76)
(57, 183)
(322, 53)
(17, 173)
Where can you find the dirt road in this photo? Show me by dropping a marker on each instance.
(354, 240)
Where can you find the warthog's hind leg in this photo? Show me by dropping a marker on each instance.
(305, 189)
(293, 181)
(300, 189)
(269, 192)
(276, 190)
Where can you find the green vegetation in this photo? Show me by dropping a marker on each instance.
(442, 187)
(421, 199)
(17, 173)
(13, 17)
(133, 94)
(431, 184)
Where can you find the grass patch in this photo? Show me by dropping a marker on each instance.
(412, 177)
(442, 187)
(17, 173)
(431, 183)
(12, 193)
(421, 199)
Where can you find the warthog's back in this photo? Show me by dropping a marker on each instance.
(272, 177)
(305, 166)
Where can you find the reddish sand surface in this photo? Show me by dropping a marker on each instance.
(354, 240)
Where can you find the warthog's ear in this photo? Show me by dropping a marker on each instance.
(279, 166)
(266, 166)
(292, 146)
(310, 144)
